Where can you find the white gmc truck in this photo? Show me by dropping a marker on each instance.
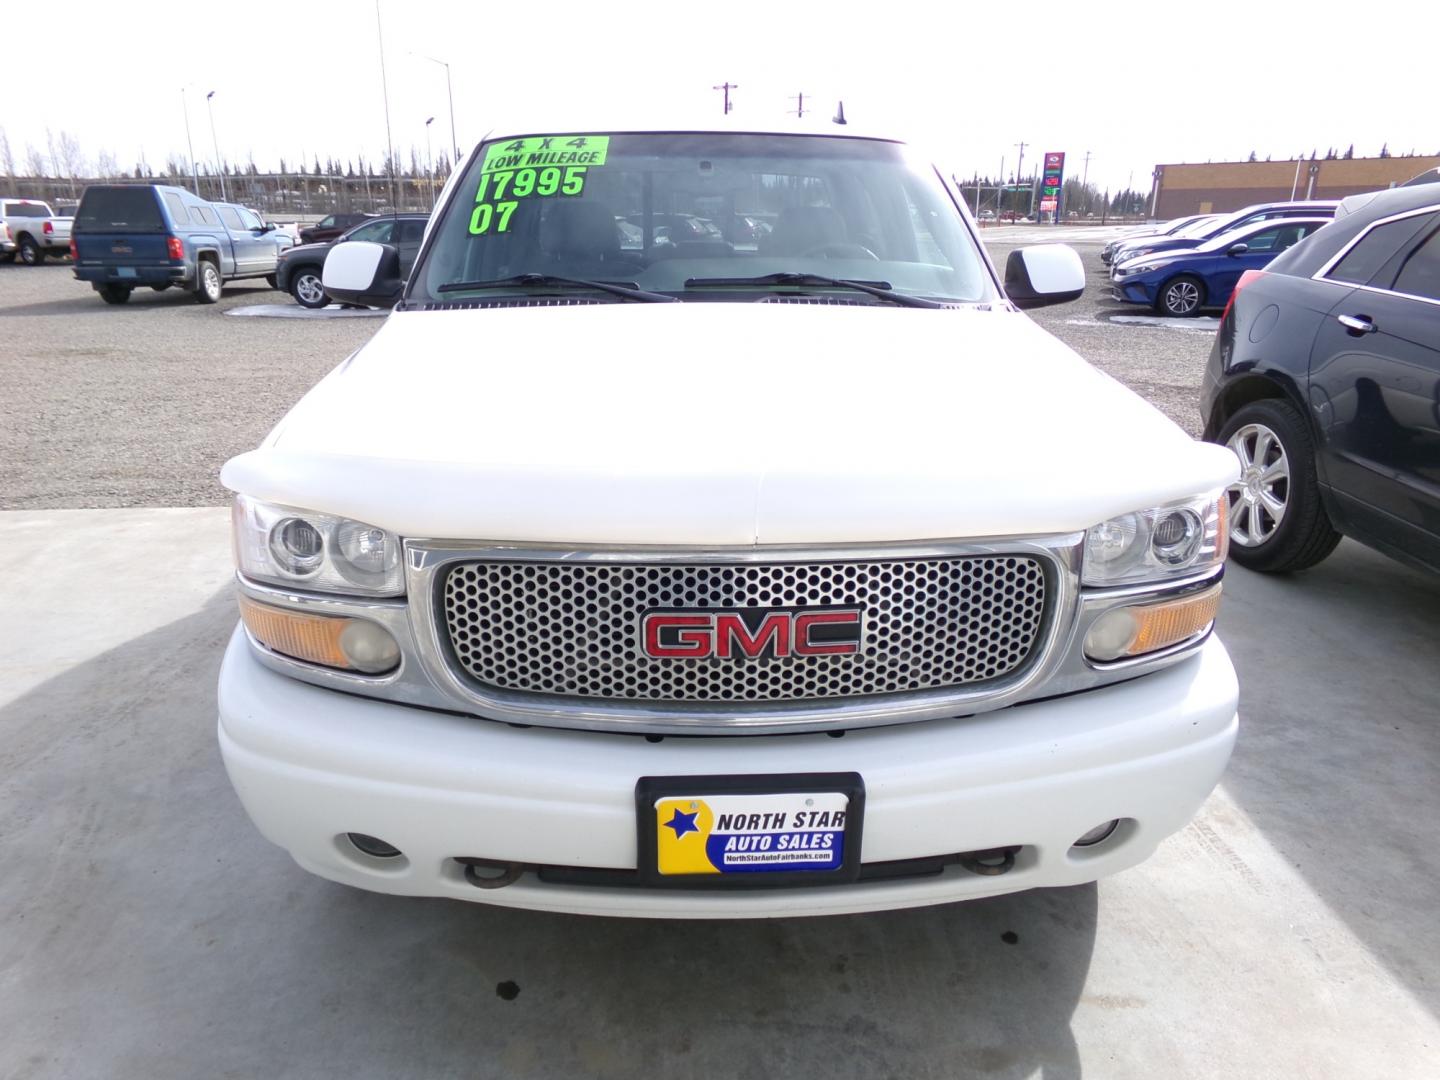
(754, 572)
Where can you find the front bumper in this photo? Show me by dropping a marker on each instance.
(312, 764)
(1131, 292)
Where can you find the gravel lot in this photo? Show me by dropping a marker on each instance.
(141, 405)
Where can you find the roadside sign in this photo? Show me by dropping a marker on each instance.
(1051, 183)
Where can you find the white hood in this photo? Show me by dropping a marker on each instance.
(722, 424)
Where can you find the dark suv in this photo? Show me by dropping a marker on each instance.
(1325, 381)
(331, 226)
(301, 269)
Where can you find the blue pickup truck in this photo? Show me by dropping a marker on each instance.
(126, 236)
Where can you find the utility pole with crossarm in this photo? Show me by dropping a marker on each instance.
(727, 87)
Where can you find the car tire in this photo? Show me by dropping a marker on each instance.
(115, 294)
(1180, 297)
(307, 288)
(1276, 520)
(30, 252)
(272, 281)
(208, 285)
(8, 257)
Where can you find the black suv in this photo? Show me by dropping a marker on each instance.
(1325, 381)
(301, 269)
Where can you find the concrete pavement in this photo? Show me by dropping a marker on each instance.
(147, 931)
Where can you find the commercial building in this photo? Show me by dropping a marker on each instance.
(1220, 186)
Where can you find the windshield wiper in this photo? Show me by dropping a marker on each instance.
(881, 289)
(629, 290)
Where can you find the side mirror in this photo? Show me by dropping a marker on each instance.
(1237, 249)
(1044, 274)
(360, 272)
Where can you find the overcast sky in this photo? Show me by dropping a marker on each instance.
(1134, 84)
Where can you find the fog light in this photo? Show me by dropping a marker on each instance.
(1095, 835)
(368, 646)
(1145, 628)
(373, 846)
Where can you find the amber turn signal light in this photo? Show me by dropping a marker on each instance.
(331, 640)
(1145, 628)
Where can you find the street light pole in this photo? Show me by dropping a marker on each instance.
(450, 93)
(216, 142)
(1020, 173)
(194, 168)
(430, 161)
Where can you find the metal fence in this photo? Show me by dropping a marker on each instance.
(271, 194)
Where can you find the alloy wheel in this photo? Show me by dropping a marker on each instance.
(308, 290)
(1182, 297)
(1257, 502)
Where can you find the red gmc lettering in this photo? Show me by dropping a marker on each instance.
(730, 627)
(726, 635)
(803, 623)
(691, 642)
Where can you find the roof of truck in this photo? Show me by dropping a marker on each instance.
(817, 123)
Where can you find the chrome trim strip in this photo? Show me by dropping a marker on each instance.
(1385, 292)
(1320, 275)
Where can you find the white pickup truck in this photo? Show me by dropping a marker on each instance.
(798, 575)
(35, 231)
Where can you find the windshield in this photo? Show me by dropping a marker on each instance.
(660, 210)
(1185, 226)
(1276, 235)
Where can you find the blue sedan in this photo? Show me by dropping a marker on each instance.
(1182, 282)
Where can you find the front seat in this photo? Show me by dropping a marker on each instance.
(805, 228)
(581, 234)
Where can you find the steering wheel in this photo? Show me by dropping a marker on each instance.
(840, 251)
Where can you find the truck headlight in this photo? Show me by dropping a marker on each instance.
(1176, 540)
(316, 551)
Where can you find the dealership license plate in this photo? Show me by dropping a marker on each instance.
(763, 830)
(124, 271)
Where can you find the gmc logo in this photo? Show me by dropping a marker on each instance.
(750, 633)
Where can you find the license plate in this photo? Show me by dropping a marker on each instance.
(124, 271)
(756, 830)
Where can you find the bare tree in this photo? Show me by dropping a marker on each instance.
(7, 159)
(35, 164)
(71, 158)
(106, 165)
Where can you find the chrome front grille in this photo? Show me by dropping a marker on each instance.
(573, 628)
